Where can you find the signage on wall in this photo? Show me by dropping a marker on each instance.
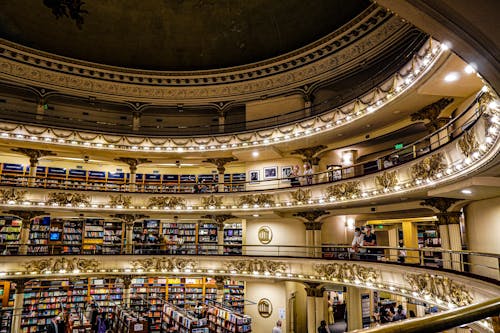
(265, 308)
(398, 146)
(265, 235)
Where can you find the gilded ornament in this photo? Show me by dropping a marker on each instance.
(346, 190)
(431, 113)
(301, 195)
(61, 265)
(311, 215)
(387, 179)
(64, 198)
(166, 201)
(257, 265)
(211, 200)
(120, 200)
(163, 264)
(256, 199)
(468, 143)
(428, 167)
(11, 194)
(350, 272)
(440, 287)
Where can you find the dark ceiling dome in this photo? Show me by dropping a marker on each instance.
(175, 34)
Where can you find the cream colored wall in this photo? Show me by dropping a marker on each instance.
(276, 294)
(300, 305)
(334, 231)
(260, 165)
(483, 227)
(273, 106)
(286, 231)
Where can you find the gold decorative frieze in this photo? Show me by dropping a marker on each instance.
(211, 201)
(468, 143)
(120, 200)
(347, 190)
(61, 265)
(260, 266)
(387, 179)
(256, 199)
(440, 287)
(164, 264)
(166, 201)
(12, 195)
(347, 272)
(301, 195)
(65, 199)
(428, 167)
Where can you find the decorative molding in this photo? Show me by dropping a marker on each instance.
(166, 201)
(440, 287)
(164, 264)
(262, 200)
(12, 195)
(387, 179)
(301, 195)
(257, 265)
(33, 154)
(347, 190)
(312, 290)
(311, 215)
(347, 272)
(431, 113)
(120, 200)
(448, 218)
(309, 153)
(441, 204)
(61, 264)
(468, 143)
(65, 198)
(220, 163)
(428, 167)
(313, 225)
(211, 201)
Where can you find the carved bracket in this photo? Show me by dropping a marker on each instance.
(387, 179)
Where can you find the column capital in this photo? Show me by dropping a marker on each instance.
(309, 153)
(20, 285)
(132, 162)
(311, 215)
(220, 163)
(312, 290)
(449, 218)
(127, 280)
(441, 204)
(313, 225)
(219, 219)
(33, 154)
(129, 218)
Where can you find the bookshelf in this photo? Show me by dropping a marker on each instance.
(128, 321)
(113, 237)
(147, 299)
(72, 236)
(39, 235)
(233, 239)
(5, 320)
(428, 236)
(5, 294)
(187, 238)
(224, 320)
(94, 236)
(234, 295)
(207, 238)
(178, 321)
(107, 292)
(10, 229)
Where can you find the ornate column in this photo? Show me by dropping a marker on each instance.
(18, 305)
(24, 237)
(313, 231)
(446, 218)
(353, 307)
(220, 163)
(311, 158)
(132, 163)
(34, 155)
(127, 281)
(219, 220)
(136, 120)
(129, 220)
(311, 307)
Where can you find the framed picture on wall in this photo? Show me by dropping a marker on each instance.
(254, 176)
(286, 171)
(271, 172)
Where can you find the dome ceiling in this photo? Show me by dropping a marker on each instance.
(175, 34)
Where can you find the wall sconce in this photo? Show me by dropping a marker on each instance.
(349, 223)
(348, 157)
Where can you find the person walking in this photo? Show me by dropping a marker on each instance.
(277, 328)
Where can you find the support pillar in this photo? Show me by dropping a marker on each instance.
(40, 110)
(220, 239)
(445, 244)
(313, 231)
(393, 242)
(24, 237)
(222, 121)
(317, 243)
(410, 240)
(136, 120)
(221, 169)
(309, 242)
(34, 156)
(129, 237)
(315, 312)
(127, 281)
(219, 282)
(132, 163)
(353, 306)
(449, 227)
(18, 305)
(307, 108)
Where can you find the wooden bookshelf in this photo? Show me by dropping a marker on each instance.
(10, 229)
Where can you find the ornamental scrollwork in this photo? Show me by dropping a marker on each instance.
(257, 199)
(163, 264)
(468, 143)
(387, 179)
(301, 195)
(166, 201)
(440, 287)
(428, 167)
(346, 190)
(120, 200)
(64, 198)
(11, 194)
(431, 113)
(61, 265)
(211, 200)
(349, 272)
(258, 265)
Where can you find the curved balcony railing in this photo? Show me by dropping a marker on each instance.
(404, 156)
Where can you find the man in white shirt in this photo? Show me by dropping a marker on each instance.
(277, 328)
(357, 241)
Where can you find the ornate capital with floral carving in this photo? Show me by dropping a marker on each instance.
(309, 153)
(440, 287)
(64, 198)
(61, 265)
(258, 265)
(441, 204)
(220, 163)
(212, 200)
(311, 215)
(428, 167)
(387, 179)
(163, 264)
(33, 154)
(348, 190)
(256, 199)
(133, 162)
(347, 272)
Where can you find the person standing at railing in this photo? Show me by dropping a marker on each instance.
(369, 239)
(294, 176)
(357, 240)
(308, 174)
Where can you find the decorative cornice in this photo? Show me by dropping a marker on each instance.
(258, 265)
(65, 198)
(220, 162)
(62, 265)
(428, 167)
(349, 190)
(431, 113)
(311, 215)
(347, 272)
(440, 287)
(163, 264)
(387, 179)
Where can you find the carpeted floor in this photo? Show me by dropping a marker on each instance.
(338, 327)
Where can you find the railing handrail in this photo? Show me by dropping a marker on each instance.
(441, 321)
